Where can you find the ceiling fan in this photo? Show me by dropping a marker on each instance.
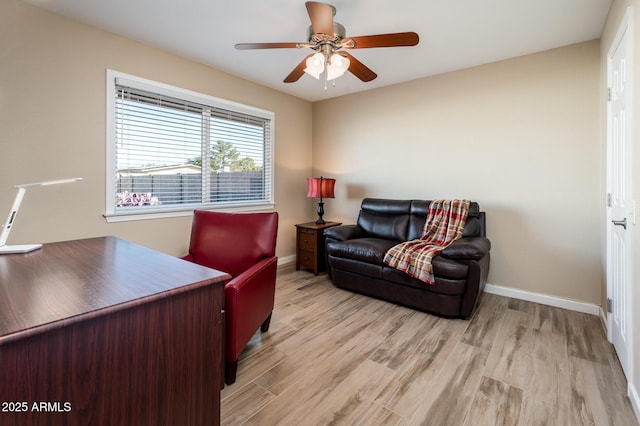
(328, 38)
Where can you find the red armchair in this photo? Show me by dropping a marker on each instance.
(242, 245)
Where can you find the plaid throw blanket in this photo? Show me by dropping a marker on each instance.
(444, 225)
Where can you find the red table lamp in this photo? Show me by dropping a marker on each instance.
(320, 188)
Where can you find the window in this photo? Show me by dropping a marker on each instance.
(170, 150)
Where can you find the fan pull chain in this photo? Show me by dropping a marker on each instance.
(325, 80)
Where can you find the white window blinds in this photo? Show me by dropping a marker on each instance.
(174, 149)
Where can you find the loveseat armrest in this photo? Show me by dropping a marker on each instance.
(473, 248)
(344, 232)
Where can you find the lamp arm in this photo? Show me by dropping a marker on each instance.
(23, 248)
(12, 216)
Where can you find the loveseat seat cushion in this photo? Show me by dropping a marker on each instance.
(365, 256)
(369, 250)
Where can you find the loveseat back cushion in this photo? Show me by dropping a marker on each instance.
(420, 210)
(387, 219)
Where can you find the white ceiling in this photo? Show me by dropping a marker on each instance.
(454, 34)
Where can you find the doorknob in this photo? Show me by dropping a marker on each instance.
(622, 222)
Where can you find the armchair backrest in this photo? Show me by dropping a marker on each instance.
(232, 242)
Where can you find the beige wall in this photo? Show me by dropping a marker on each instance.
(616, 14)
(518, 136)
(52, 125)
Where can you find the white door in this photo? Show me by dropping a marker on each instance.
(619, 215)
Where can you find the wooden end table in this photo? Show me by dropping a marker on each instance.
(310, 245)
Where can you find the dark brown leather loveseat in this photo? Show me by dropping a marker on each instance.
(355, 252)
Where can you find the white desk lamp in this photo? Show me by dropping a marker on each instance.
(5, 249)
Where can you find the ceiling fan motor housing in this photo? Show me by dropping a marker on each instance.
(339, 33)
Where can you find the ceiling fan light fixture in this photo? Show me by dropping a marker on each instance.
(337, 66)
(315, 65)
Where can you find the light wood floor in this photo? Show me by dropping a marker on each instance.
(335, 357)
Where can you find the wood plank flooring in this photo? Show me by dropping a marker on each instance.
(336, 357)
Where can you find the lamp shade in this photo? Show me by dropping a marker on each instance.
(337, 67)
(315, 65)
(320, 187)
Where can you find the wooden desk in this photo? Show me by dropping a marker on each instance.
(105, 332)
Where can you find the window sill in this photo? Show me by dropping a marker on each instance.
(167, 213)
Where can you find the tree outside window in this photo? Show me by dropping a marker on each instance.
(225, 157)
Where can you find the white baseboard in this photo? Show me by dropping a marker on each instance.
(286, 260)
(635, 400)
(545, 299)
(603, 320)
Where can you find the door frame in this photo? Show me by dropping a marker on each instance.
(625, 26)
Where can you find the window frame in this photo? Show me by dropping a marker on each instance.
(156, 212)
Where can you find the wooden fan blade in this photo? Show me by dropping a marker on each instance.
(298, 71)
(321, 16)
(382, 40)
(246, 46)
(359, 69)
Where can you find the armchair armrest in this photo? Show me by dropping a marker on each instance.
(249, 300)
(343, 232)
(473, 248)
(266, 268)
